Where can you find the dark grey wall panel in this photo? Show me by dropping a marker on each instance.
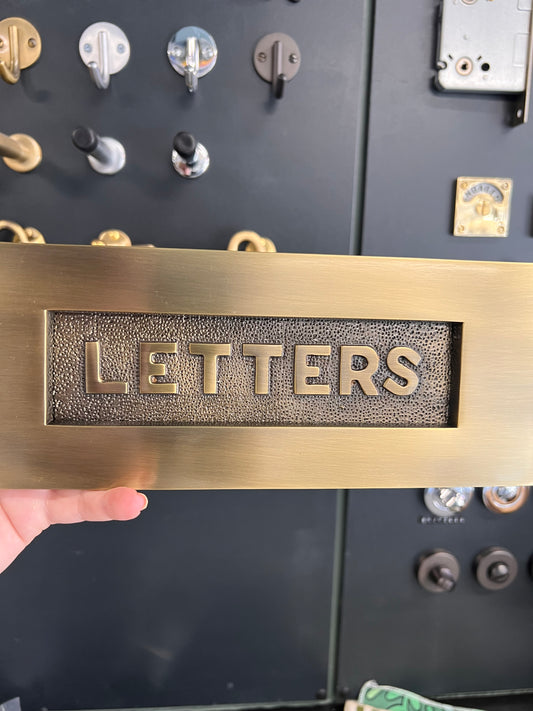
(421, 140)
(206, 598)
(282, 168)
(396, 632)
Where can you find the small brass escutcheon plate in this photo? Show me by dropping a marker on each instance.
(482, 207)
(191, 369)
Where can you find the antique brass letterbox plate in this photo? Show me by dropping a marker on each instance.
(193, 369)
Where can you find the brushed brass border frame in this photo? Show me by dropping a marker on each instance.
(491, 444)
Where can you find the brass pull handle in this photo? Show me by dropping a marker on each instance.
(255, 243)
(21, 234)
(20, 47)
(20, 152)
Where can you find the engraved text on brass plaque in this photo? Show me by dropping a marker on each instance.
(161, 369)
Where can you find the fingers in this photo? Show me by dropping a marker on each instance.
(119, 504)
(25, 514)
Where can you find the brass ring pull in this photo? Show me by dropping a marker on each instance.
(254, 242)
(21, 235)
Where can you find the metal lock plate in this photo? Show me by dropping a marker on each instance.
(118, 46)
(29, 42)
(482, 207)
(483, 45)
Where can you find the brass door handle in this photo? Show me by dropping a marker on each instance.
(20, 47)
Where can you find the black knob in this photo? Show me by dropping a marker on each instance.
(185, 145)
(85, 139)
(443, 578)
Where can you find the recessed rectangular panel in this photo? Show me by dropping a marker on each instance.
(153, 387)
(265, 371)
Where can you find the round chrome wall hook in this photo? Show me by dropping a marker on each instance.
(105, 50)
(192, 52)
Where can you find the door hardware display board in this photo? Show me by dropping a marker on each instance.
(420, 142)
(323, 414)
(263, 597)
(204, 575)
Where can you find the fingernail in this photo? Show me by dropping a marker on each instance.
(144, 500)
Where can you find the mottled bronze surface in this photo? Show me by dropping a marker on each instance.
(236, 402)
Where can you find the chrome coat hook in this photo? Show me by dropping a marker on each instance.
(20, 47)
(105, 50)
(192, 52)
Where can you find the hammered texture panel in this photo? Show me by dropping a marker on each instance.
(236, 403)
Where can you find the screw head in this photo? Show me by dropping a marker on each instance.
(32, 42)
(293, 58)
(262, 57)
(505, 186)
(460, 228)
(501, 229)
(206, 52)
(87, 48)
(121, 49)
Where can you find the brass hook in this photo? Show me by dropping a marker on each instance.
(255, 243)
(21, 234)
(20, 47)
(11, 72)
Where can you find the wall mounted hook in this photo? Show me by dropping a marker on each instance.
(192, 52)
(20, 47)
(105, 50)
(277, 60)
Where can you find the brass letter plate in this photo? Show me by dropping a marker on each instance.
(197, 369)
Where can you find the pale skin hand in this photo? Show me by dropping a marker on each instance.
(26, 513)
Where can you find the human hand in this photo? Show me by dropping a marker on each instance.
(26, 513)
